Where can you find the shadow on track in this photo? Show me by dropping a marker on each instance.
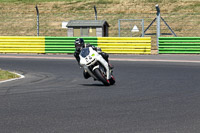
(92, 85)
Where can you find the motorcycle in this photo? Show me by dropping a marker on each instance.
(97, 67)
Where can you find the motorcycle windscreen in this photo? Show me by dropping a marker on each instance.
(85, 52)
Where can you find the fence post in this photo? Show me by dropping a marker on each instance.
(37, 20)
(118, 28)
(142, 27)
(158, 25)
(95, 11)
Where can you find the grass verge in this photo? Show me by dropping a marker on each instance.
(5, 75)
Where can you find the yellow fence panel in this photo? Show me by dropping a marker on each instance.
(22, 44)
(125, 45)
(124, 38)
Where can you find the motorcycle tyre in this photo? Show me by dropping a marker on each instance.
(99, 75)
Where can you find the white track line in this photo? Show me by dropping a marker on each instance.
(37, 57)
(113, 59)
(156, 60)
(20, 77)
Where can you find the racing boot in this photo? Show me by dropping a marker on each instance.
(86, 74)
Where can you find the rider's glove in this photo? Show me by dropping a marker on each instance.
(99, 50)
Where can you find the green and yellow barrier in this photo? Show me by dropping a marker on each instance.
(123, 45)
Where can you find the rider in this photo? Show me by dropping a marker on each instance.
(79, 44)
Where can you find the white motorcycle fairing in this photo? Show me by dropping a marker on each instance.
(89, 57)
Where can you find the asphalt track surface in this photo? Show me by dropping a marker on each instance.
(152, 95)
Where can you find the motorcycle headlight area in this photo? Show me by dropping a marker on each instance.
(92, 61)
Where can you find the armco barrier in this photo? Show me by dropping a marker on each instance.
(64, 44)
(126, 45)
(20, 44)
(182, 45)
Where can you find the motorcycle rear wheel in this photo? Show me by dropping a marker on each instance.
(101, 77)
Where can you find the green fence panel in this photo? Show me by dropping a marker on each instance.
(182, 45)
(64, 44)
(179, 38)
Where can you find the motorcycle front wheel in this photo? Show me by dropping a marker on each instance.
(101, 77)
